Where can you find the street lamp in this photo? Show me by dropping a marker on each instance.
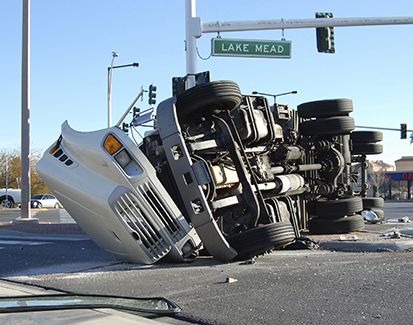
(275, 96)
(114, 55)
(110, 69)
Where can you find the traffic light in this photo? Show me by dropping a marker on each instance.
(403, 131)
(152, 95)
(178, 85)
(125, 127)
(325, 35)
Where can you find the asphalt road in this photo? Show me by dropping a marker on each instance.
(284, 287)
(294, 287)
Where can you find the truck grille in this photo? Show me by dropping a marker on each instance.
(148, 227)
(169, 221)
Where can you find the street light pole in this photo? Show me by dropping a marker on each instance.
(110, 69)
(114, 55)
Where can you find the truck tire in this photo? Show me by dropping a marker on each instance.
(341, 225)
(372, 202)
(337, 125)
(367, 149)
(326, 108)
(216, 96)
(339, 208)
(258, 240)
(366, 136)
(7, 201)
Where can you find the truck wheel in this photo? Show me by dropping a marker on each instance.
(367, 149)
(328, 126)
(366, 136)
(336, 226)
(7, 201)
(258, 240)
(36, 205)
(372, 202)
(326, 108)
(215, 96)
(339, 208)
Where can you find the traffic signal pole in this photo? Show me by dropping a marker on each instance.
(195, 28)
(193, 31)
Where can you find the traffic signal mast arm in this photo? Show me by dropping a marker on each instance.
(244, 25)
(403, 129)
(380, 128)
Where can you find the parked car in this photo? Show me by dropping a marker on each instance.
(9, 197)
(44, 201)
(218, 170)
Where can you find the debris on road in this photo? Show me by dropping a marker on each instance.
(392, 234)
(349, 237)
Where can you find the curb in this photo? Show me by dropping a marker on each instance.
(360, 247)
(44, 228)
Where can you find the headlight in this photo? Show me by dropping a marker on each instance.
(123, 158)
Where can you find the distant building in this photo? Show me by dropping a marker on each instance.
(400, 181)
(380, 165)
(404, 164)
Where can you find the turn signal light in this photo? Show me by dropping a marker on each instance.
(53, 150)
(111, 144)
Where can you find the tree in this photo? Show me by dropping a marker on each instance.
(13, 158)
(377, 176)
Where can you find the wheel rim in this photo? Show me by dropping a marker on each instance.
(6, 203)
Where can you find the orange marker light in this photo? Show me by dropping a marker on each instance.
(111, 144)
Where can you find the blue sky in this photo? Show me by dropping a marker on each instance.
(72, 42)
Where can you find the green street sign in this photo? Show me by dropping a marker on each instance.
(251, 48)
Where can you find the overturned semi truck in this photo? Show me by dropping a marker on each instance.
(219, 171)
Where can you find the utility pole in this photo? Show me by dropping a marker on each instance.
(25, 120)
